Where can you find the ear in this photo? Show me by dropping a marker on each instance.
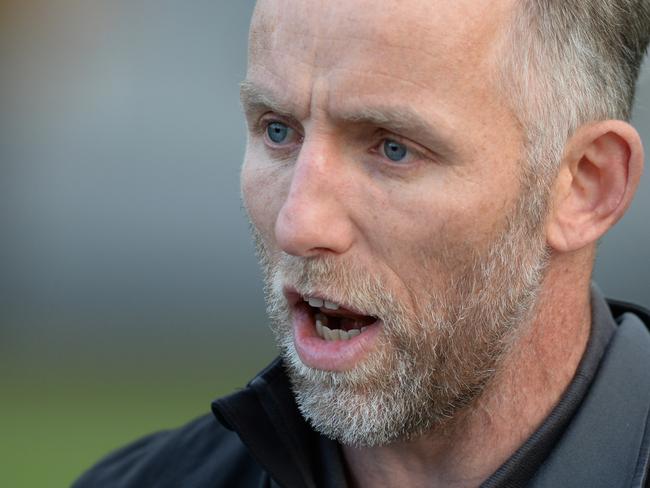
(597, 180)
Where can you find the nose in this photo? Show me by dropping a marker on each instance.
(315, 216)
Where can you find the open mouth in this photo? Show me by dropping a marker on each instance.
(336, 323)
(330, 336)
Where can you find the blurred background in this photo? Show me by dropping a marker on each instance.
(129, 292)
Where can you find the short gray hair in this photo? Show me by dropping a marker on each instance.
(571, 62)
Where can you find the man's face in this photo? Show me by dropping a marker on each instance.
(384, 174)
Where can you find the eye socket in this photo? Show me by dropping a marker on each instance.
(395, 151)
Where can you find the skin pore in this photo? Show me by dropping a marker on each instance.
(342, 78)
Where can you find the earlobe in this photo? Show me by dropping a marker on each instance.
(595, 185)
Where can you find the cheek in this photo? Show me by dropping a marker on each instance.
(426, 235)
(409, 219)
(262, 194)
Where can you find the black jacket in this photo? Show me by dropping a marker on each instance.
(599, 438)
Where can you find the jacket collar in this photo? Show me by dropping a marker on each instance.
(266, 417)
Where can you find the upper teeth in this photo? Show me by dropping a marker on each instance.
(317, 303)
(331, 305)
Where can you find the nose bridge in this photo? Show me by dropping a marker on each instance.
(312, 169)
(314, 217)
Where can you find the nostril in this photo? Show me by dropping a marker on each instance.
(299, 231)
(313, 221)
(290, 234)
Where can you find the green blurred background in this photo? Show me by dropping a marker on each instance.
(129, 292)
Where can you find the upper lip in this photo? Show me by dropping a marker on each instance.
(294, 297)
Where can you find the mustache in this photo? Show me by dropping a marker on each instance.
(346, 282)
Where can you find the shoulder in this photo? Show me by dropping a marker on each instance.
(201, 453)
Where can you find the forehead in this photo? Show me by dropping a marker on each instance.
(420, 40)
(437, 55)
(410, 23)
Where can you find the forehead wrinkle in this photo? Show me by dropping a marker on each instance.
(375, 73)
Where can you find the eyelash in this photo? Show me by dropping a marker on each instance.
(262, 127)
(415, 153)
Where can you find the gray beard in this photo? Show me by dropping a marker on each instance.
(430, 363)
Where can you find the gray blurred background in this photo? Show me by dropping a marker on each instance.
(129, 291)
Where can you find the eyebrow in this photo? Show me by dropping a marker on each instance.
(407, 122)
(403, 120)
(255, 98)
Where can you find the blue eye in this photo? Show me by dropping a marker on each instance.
(277, 132)
(395, 151)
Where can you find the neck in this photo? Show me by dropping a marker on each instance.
(529, 384)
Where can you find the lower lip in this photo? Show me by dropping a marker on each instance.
(315, 352)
